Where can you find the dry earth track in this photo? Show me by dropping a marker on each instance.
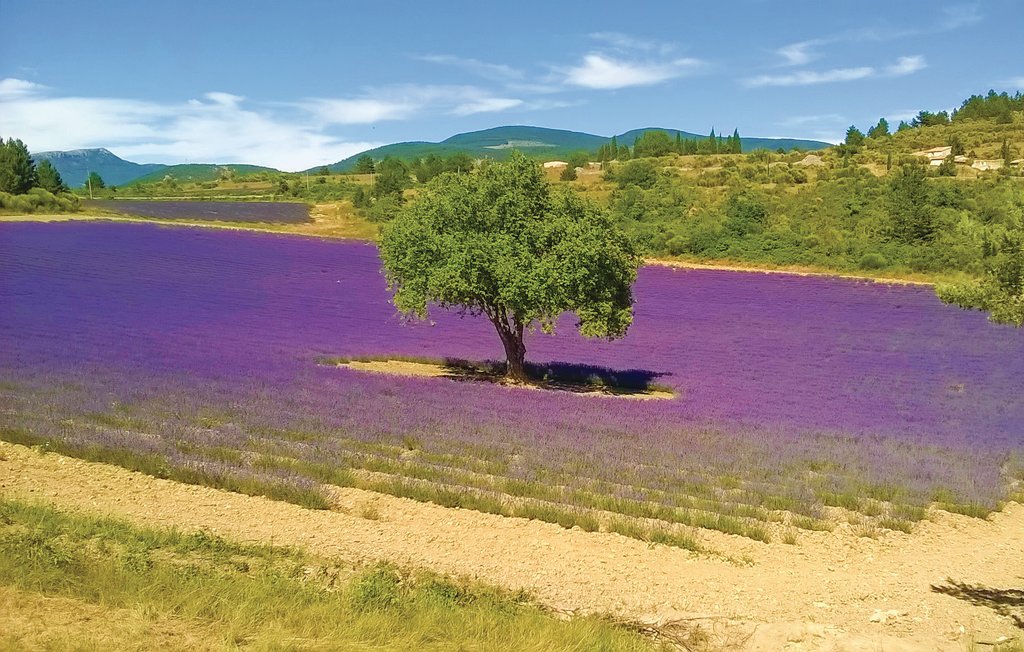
(820, 594)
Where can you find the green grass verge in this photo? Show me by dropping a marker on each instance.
(265, 597)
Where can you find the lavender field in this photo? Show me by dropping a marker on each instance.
(212, 211)
(194, 354)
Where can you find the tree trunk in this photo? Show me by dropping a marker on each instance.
(515, 354)
(510, 330)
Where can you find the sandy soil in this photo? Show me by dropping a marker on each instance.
(430, 370)
(831, 591)
(795, 271)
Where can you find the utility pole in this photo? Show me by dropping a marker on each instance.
(89, 179)
(307, 180)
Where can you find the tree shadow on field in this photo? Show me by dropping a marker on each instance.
(560, 376)
(1005, 602)
(590, 376)
(569, 377)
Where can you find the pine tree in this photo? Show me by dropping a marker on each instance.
(49, 178)
(615, 149)
(17, 170)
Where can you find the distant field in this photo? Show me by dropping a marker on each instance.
(217, 211)
(197, 355)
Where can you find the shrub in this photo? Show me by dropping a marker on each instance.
(873, 261)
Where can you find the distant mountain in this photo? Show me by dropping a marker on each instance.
(547, 144)
(200, 172)
(75, 165)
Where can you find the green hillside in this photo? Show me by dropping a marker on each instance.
(748, 144)
(202, 172)
(540, 142)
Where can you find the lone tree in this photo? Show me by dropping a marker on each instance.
(501, 243)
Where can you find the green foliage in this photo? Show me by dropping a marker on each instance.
(948, 167)
(1001, 291)
(568, 173)
(427, 168)
(364, 165)
(392, 179)
(880, 130)
(502, 244)
(745, 213)
(95, 181)
(854, 137)
(998, 106)
(912, 216)
(929, 119)
(641, 173)
(17, 171)
(49, 178)
(653, 143)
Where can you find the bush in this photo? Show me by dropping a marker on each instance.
(873, 261)
(38, 200)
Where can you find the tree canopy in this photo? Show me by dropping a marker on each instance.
(17, 170)
(49, 178)
(503, 244)
(1001, 291)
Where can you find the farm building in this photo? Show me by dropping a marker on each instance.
(987, 164)
(935, 155)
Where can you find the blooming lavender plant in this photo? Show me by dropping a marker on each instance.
(790, 392)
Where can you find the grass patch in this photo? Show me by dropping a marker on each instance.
(269, 597)
(312, 497)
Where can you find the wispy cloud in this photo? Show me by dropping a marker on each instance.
(627, 42)
(809, 77)
(957, 16)
(359, 111)
(493, 71)
(1014, 82)
(813, 120)
(798, 54)
(599, 71)
(902, 66)
(906, 66)
(487, 105)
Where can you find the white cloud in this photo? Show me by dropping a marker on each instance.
(599, 71)
(798, 54)
(903, 66)
(486, 105)
(906, 66)
(12, 87)
(217, 128)
(1014, 82)
(359, 111)
(220, 127)
(483, 69)
(808, 77)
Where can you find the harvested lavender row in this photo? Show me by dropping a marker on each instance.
(192, 345)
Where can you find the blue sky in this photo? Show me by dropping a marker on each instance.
(294, 85)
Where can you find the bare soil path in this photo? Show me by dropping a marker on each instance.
(831, 591)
